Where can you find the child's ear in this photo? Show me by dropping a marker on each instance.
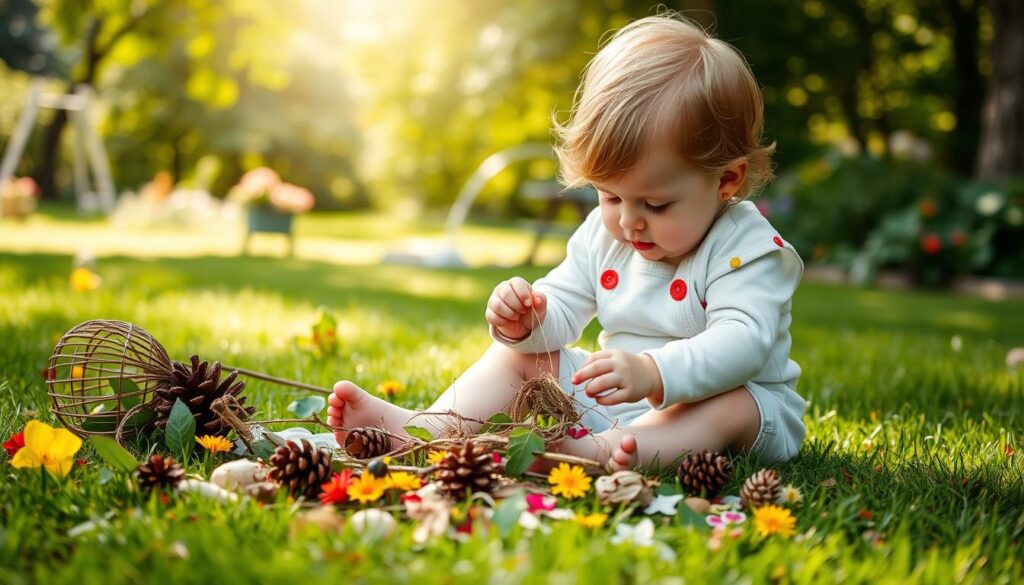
(732, 179)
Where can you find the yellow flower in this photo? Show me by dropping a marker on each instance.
(436, 456)
(83, 280)
(771, 519)
(214, 443)
(77, 372)
(47, 447)
(404, 481)
(367, 488)
(591, 520)
(389, 387)
(790, 495)
(570, 482)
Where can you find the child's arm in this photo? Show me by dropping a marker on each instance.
(567, 296)
(745, 316)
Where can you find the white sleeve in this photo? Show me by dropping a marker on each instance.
(744, 309)
(571, 298)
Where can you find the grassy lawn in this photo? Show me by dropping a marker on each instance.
(905, 471)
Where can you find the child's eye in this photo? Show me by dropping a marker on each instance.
(609, 199)
(657, 208)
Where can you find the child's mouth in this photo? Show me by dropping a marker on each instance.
(641, 245)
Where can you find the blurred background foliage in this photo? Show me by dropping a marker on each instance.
(876, 105)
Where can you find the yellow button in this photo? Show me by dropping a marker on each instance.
(735, 262)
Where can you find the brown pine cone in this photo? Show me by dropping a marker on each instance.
(704, 473)
(198, 386)
(159, 472)
(367, 443)
(300, 468)
(760, 489)
(468, 467)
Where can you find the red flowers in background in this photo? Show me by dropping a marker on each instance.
(15, 443)
(931, 244)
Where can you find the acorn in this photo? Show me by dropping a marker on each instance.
(377, 467)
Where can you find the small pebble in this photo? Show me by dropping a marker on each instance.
(698, 505)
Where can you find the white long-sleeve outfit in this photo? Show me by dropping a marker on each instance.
(718, 320)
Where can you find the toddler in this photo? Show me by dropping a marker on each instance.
(691, 285)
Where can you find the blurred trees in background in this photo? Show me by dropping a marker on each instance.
(371, 103)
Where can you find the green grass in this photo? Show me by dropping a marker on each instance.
(943, 497)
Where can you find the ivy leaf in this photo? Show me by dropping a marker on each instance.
(113, 454)
(496, 423)
(180, 435)
(419, 433)
(522, 444)
(305, 407)
(506, 515)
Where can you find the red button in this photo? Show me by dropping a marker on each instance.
(609, 278)
(678, 290)
(778, 241)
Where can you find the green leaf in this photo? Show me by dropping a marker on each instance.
(125, 386)
(419, 433)
(496, 423)
(305, 407)
(263, 449)
(522, 445)
(506, 515)
(180, 436)
(687, 517)
(100, 424)
(113, 454)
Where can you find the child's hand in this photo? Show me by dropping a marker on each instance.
(622, 376)
(515, 309)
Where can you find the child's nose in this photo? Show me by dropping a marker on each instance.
(630, 220)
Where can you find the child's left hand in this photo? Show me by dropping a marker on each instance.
(630, 377)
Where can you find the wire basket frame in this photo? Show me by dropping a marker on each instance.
(102, 369)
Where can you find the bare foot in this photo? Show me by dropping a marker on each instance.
(624, 456)
(350, 406)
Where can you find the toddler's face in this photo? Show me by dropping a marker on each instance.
(662, 208)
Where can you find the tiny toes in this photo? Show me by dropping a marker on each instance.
(628, 444)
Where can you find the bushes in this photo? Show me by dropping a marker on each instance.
(867, 214)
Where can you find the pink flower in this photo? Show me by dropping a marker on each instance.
(725, 519)
(540, 503)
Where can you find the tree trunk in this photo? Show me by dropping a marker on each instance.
(967, 95)
(1001, 154)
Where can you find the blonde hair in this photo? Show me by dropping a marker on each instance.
(664, 76)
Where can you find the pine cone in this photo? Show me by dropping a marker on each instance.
(468, 466)
(705, 472)
(198, 387)
(159, 472)
(300, 468)
(760, 489)
(367, 443)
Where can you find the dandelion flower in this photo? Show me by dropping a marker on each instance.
(367, 488)
(569, 481)
(436, 456)
(771, 519)
(404, 481)
(214, 443)
(84, 280)
(790, 496)
(389, 387)
(595, 520)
